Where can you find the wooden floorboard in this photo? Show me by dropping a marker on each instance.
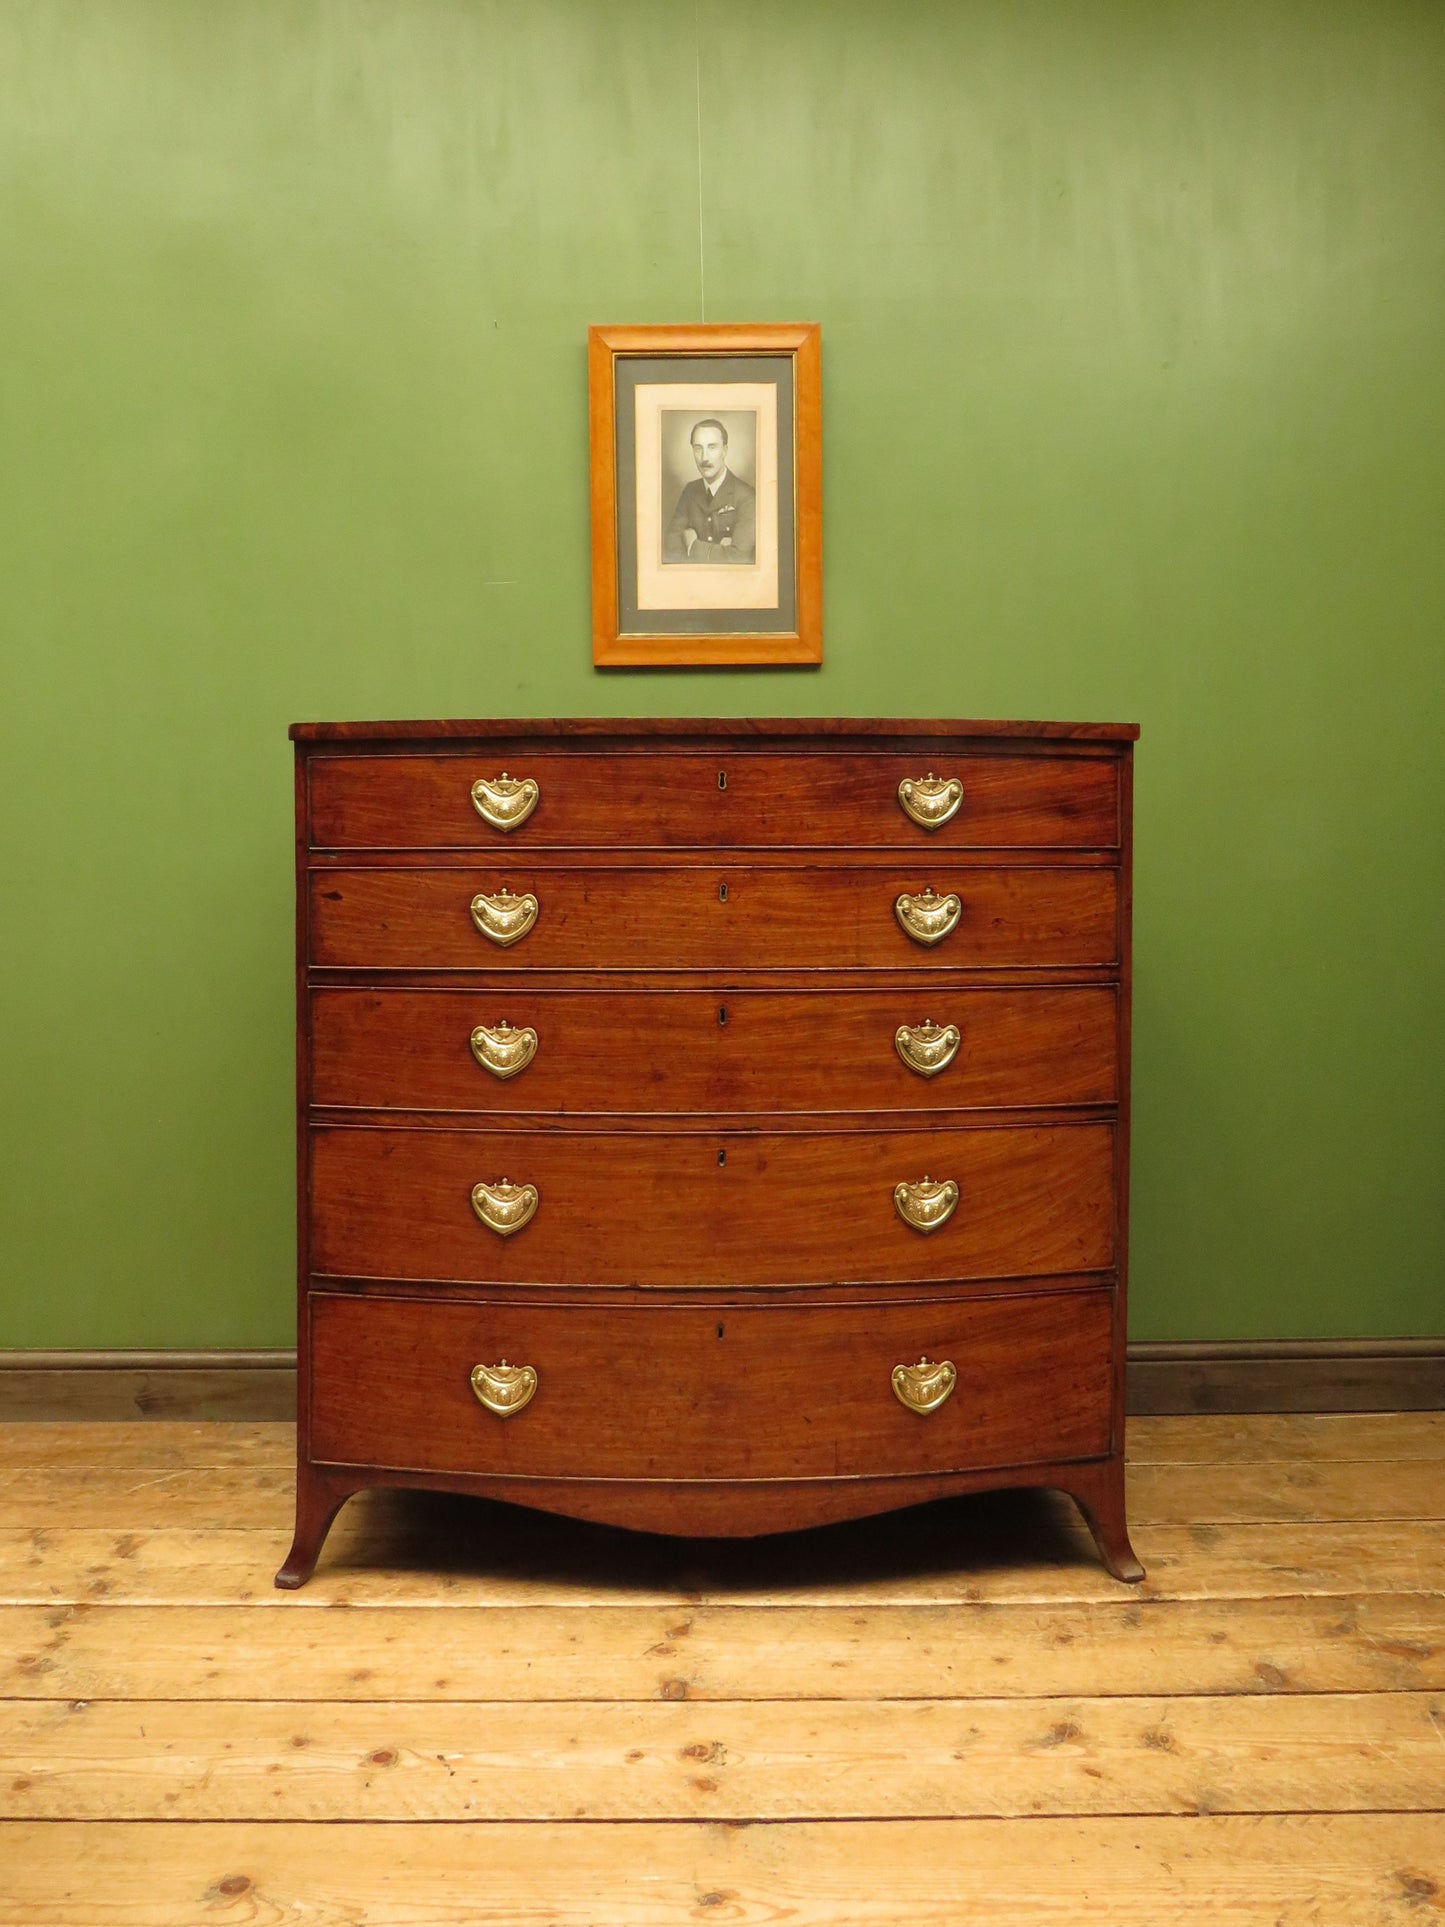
(1275, 1870)
(477, 1714)
(771, 1760)
(457, 1555)
(1348, 1644)
(261, 1497)
(1301, 1436)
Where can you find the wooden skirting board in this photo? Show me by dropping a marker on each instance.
(1324, 1375)
(1310, 1375)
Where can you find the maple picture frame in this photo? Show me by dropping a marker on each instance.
(707, 494)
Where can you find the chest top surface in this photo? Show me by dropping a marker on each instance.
(706, 727)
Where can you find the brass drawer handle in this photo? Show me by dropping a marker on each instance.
(505, 1389)
(925, 1205)
(928, 918)
(930, 800)
(924, 1387)
(504, 918)
(504, 1051)
(505, 1207)
(927, 1048)
(505, 801)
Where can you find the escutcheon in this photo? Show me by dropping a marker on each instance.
(928, 918)
(505, 1207)
(925, 1386)
(925, 1205)
(504, 918)
(930, 800)
(505, 1389)
(504, 1052)
(505, 801)
(927, 1048)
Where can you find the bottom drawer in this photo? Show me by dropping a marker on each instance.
(730, 1392)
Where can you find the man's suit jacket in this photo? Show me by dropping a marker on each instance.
(725, 523)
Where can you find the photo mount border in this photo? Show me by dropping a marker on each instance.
(802, 341)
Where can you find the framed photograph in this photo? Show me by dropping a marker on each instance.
(707, 495)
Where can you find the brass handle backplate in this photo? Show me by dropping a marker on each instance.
(930, 800)
(927, 1048)
(505, 801)
(505, 1389)
(505, 1207)
(925, 1386)
(504, 918)
(925, 1205)
(928, 918)
(504, 1051)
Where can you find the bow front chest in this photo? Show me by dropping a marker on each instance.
(712, 1127)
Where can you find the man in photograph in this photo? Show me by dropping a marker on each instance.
(714, 520)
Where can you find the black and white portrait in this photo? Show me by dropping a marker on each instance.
(707, 493)
(709, 482)
(705, 530)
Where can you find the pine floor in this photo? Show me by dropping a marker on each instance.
(478, 1715)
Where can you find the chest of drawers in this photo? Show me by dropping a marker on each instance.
(712, 1127)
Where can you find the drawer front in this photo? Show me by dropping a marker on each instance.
(722, 1393)
(691, 1050)
(728, 918)
(764, 800)
(688, 1209)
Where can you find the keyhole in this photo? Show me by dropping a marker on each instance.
(722, 1157)
(722, 893)
(722, 1013)
(722, 779)
(719, 1331)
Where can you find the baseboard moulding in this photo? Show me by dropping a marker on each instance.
(57, 1386)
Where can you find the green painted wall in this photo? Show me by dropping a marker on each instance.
(1133, 318)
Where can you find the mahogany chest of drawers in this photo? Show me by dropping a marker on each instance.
(712, 1127)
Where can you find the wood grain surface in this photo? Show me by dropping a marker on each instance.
(685, 1051)
(871, 1724)
(240, 1494)
(713, 917)
(553, 729)
(1294, 1443)
(590, 800)
(1268, 1870)
(441, 1551)
(693, 1209)
(653, 1393)
(616, 1652)
(687, 1760)
(655, 859)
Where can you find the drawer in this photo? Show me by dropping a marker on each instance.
(684, 1208)
(720, 1393)
(713, 917)
(677, 800)
(619, 1051)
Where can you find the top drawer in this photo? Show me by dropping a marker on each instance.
(730, 797)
